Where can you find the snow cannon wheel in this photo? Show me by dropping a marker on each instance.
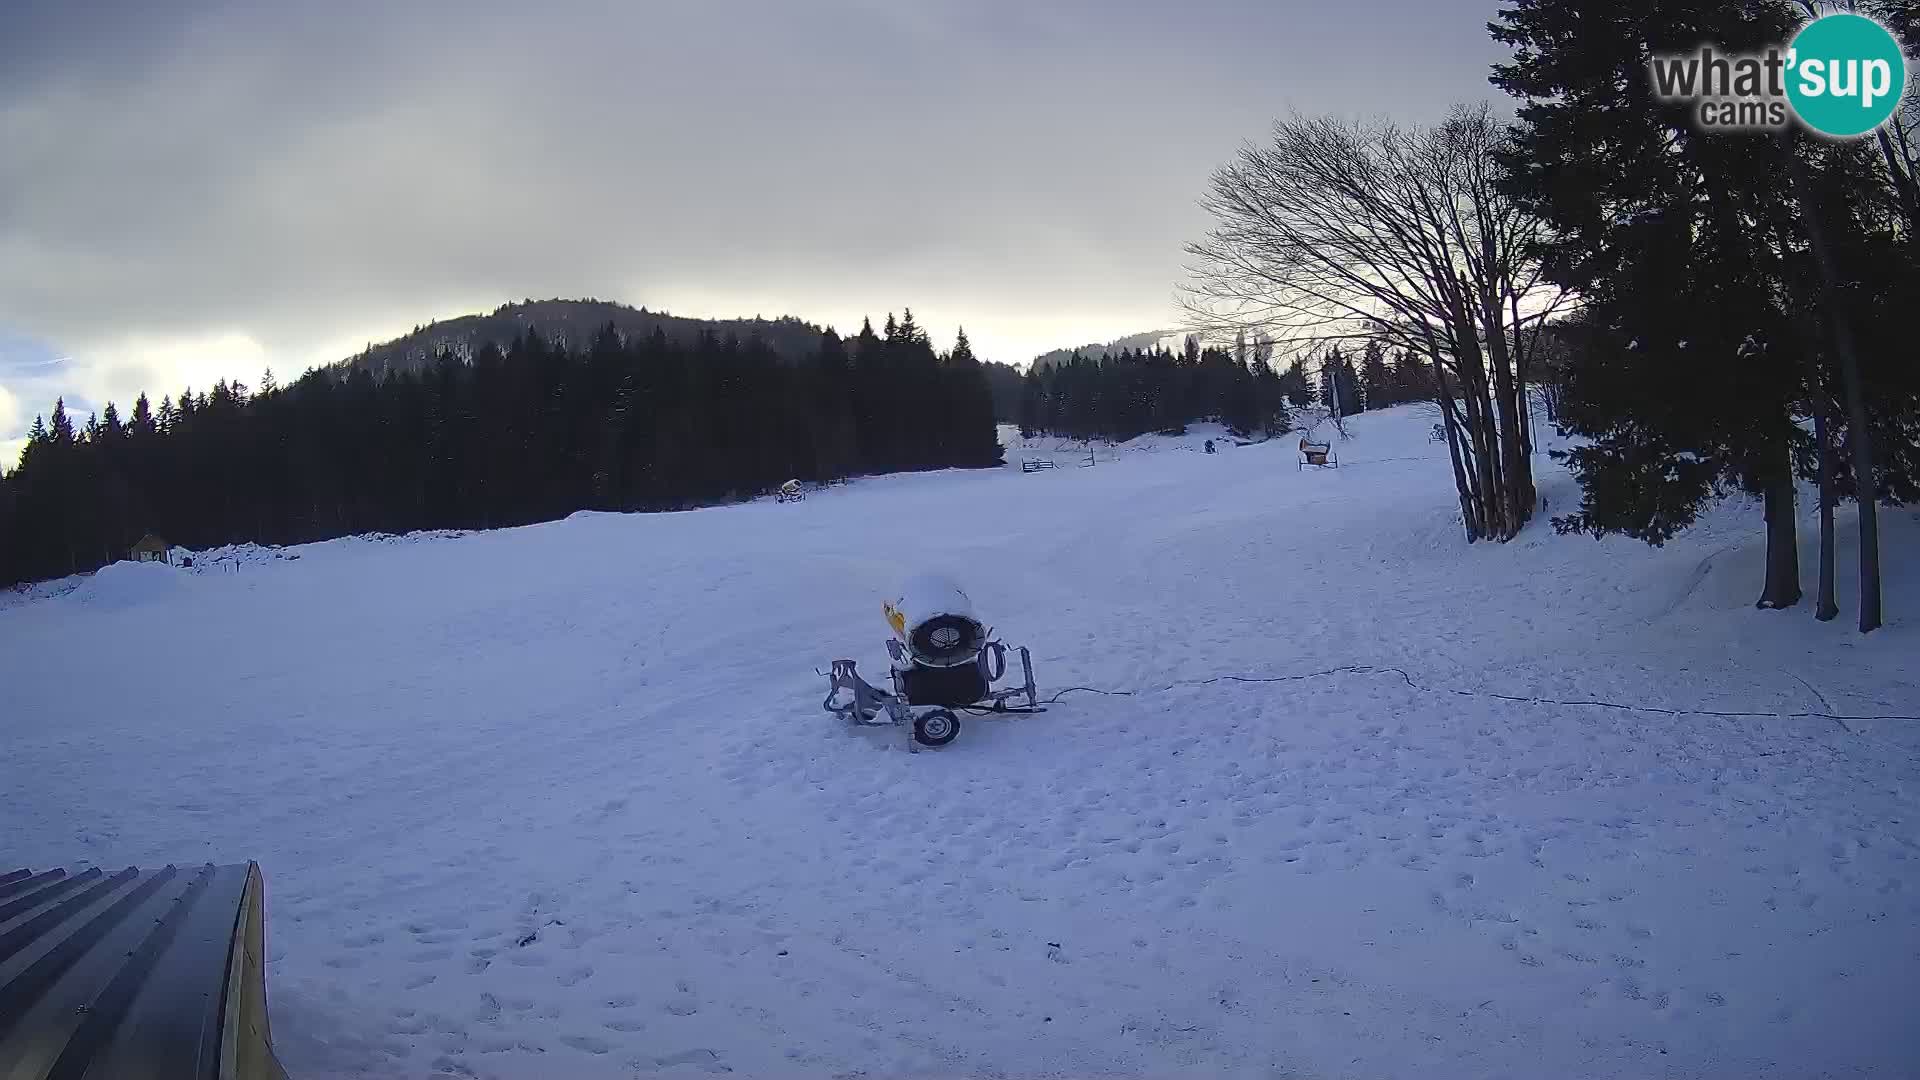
(936, 728)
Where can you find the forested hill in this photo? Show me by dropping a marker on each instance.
(1149, 341)
(571, 324)
(530, 432)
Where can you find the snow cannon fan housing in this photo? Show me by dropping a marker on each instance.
(938, 643)
(935, 621)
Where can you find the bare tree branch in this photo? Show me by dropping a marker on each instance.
(1336, 231)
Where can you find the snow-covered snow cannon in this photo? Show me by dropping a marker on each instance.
(944, 658)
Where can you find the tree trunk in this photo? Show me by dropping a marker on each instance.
(1509, 403)
(1482, 438)
(1783, 549)
(1903, 183)
(1825, 608)
(1469, 516)
(1477, 457)
(1866, 481)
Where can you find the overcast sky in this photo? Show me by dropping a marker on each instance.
(195, 189)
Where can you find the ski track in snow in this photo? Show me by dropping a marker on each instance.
(560, 800)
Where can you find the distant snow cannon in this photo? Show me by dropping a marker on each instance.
(944, 658)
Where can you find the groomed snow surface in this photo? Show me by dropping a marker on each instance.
(560, 800)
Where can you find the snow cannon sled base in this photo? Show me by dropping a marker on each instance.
(915, 689)
(943, 659)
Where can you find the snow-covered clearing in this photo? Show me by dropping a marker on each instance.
(560, 800)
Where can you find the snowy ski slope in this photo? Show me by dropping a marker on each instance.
(560, 800)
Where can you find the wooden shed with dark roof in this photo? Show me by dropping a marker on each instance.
(151, 549)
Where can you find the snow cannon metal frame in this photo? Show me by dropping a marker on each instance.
(943, 659)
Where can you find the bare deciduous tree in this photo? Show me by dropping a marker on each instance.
(1340, 231)
(1344, 231)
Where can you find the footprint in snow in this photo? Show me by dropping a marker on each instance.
(682, 1004)
(407, 1026)
(701, 1058)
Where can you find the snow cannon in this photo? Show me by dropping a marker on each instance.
(944, 658)
(934, 620)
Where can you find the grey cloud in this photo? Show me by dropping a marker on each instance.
(306, 174)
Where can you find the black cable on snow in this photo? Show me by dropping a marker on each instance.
(1366, 669)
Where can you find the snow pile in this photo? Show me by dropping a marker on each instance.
(233, 557)
(412, 537)
(35, 591)
(229, 557)
(1065, 452)
(561, 800)
(129, 584)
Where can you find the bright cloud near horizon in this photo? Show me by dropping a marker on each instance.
(207, 189)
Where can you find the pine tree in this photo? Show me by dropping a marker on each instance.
(974, 440)
(1692, 379)
(1376, 383)
(1295, 384)
(1033, 403)
(62, 430)
(836, 449)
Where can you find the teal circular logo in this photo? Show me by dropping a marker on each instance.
(1845, 74)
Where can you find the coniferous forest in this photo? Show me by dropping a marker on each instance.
(1131, 392)
(525, 433)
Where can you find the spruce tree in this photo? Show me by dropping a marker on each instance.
(1295, 384)
(1692, 380)
(62, 430)
(1376, 383)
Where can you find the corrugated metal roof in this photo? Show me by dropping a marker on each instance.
(120, 974)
